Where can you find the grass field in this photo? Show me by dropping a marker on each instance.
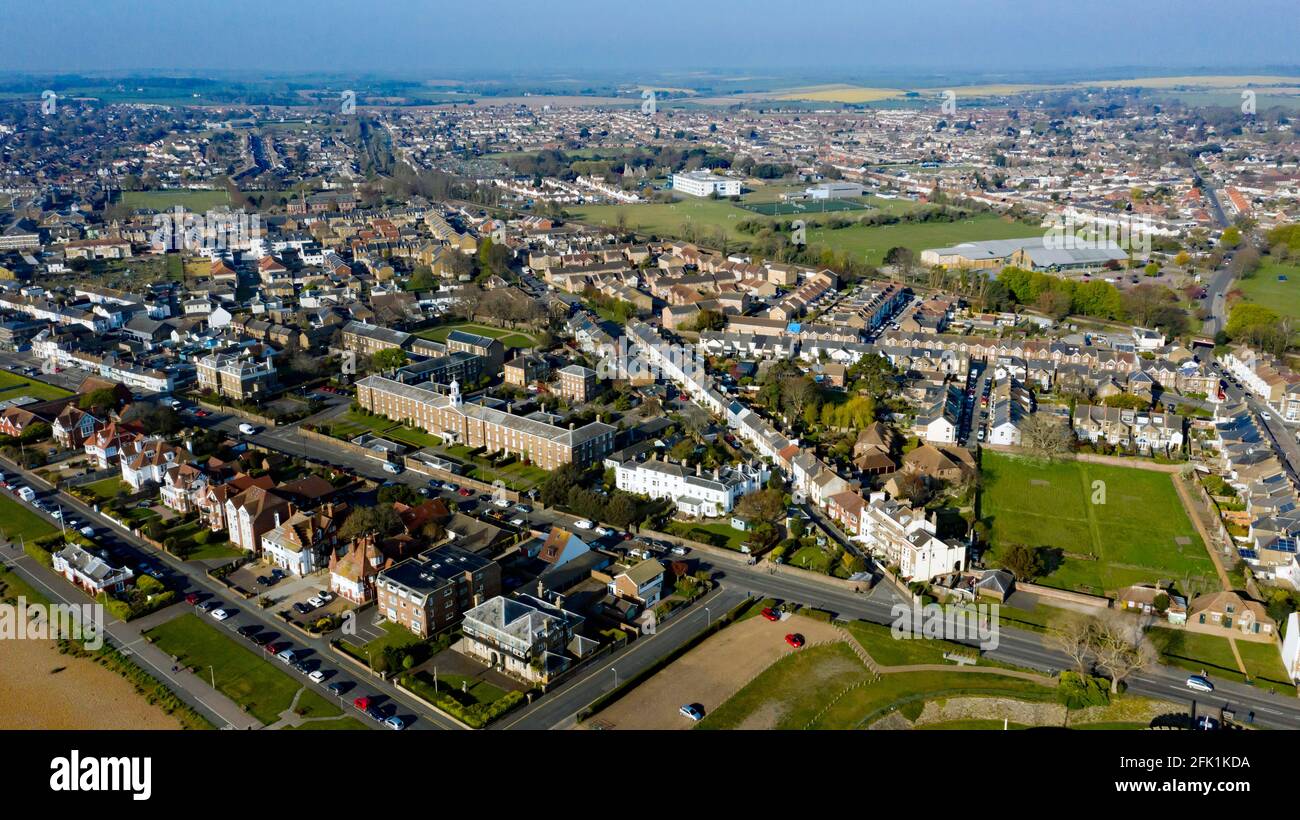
(1141, 534)
(798, 208)
(509, 338)
(196, 201)
(241, 674)
(871, 242)
(1197, 652)
(18, 521)
(13, 385)
(1265, 289)
(801, 691)
(719, 535)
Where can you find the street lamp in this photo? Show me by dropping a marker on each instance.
(615, 671)
(710, 617)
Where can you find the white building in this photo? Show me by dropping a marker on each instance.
(904, 537)
(705, 183)
(705, 496)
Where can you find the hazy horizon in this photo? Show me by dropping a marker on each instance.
(412, 39)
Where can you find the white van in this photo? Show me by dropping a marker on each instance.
(390, 467)
(26, 494)
(247, 429)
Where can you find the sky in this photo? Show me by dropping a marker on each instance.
(431, 39)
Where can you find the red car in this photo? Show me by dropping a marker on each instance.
(770, 614)
(192, 599)
(795, 640)
(275, 648)
(202, 413)
(464, 492)
(362, 703)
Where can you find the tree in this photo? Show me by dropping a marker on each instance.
(1023, 562)
(381, 520)
(1121, 648)
(763, 505)
(1072, 635)
(1045, 436)
(622, 510)
(388, 359)
(98, 401)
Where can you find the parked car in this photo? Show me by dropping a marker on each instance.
(265, 580)
(603, 531)
(247, 429)
(315, 602)
(325, 596)
(247, 631)
(261, 639)
(361, 702)
(582, 524)
(395, 722)
(221, 614)
(691, 710)
(192, 599)
(274, 648)
(464, 492)
(517, 522)
(302, 608)
(317, 676)
(795, 640)
(771, 614)
(337, 688)
(679, 550)
(286, 656)
(391, 468)
(209, 605)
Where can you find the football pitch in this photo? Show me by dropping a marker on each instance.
(817, 206)
(1104, 527)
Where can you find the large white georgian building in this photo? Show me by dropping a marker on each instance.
(697, 494)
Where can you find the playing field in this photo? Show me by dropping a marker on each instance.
(811, 206)
(869, 242)
(1280, 295)
(1139, 534)
(190, 200)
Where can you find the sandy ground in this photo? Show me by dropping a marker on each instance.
(710, 673)
(83, 695)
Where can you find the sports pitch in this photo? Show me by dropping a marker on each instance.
(1138, 533)
(818, 206)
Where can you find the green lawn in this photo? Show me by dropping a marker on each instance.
(107, 488)
(1141, 534)
(394, 635)
(353, 423)
(707, 216)
(12, 385)
(1263, 661)
(196, 201)
(1197, 651)
(1265, 289)
(348, 724)
(880, 643)
(241, 674)
(19, 521)
(795, 690)
(509, 338)
(719, 535)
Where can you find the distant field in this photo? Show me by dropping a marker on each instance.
(1141, 534)
(1264, 288)
(872, 242)
(163, 200)
(820, 206)
(509, 338)
(841, 93)
(13, 385)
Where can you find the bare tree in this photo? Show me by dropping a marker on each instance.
(1121, 647)
(1045, 436)
(1073, 635)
